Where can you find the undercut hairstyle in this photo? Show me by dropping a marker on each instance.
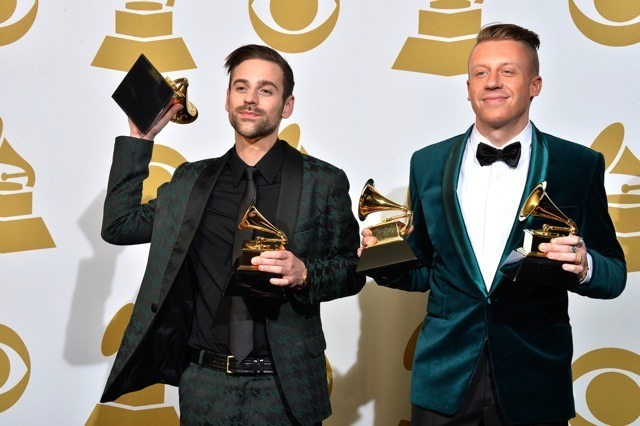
(500, 32)
(255, 51)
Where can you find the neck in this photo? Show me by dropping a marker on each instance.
(252, 150)
(499, 136)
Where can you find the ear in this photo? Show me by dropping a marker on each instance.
(287, 109)
(468, 94)
(226, 102)
(535, 87)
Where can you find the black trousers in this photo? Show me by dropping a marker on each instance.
(209, 397)
(479, 406)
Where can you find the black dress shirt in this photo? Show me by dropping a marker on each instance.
(211, 250)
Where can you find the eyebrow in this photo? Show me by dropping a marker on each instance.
(502, 64)
(260, 83)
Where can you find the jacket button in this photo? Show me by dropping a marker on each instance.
(154, 307)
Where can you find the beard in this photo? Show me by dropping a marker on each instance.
(253, 129)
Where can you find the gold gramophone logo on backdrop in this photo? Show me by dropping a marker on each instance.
(296, 18)
(19, 229)
(609, 385)
(15, 367)
(291, 134)
(13, 28)
(623, 169)
(143, 407)
(618, 24)
(144, 27)
(164, 161)
(448, 32)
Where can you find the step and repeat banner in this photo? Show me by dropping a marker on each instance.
(375, 81)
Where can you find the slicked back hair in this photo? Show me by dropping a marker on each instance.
(255, 51)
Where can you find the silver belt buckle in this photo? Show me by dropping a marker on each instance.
(228, 360)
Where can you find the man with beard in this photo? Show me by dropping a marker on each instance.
(184, 327)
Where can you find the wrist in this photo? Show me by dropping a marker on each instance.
(583, 276)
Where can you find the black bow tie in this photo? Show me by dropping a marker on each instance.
(488, 155)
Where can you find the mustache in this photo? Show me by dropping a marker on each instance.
(250, 109)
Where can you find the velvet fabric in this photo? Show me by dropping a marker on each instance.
(526, 328)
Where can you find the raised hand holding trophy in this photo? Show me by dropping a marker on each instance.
(392, 252)
(249, 280)
(144, 95)
(528, 265)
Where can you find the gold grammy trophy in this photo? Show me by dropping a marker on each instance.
(392, 252)
(528, 264)
(249, 280)
(540, 205)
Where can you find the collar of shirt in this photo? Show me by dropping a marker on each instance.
(268, 166)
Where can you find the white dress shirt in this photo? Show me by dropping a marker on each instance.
(490, 199)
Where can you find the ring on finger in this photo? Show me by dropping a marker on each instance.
(578, 258)
(573, 249)
(580, 243)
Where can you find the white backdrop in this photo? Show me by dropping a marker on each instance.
(61, 285)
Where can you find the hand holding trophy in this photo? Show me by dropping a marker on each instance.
(528, 265)
(392, 251)
(145, 96)
(249, 280)
(539, 204)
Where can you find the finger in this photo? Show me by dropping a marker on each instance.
(280, 282)
(274, 269)
(575, 269)
(366, 232)
(369, 241)
(276, 254)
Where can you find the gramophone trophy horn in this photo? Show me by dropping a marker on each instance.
(249, 280)
(145, 96)
(189, 112)
(538, 204)
(392, 251)
(529, 266)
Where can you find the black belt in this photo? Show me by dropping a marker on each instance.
(228, 364)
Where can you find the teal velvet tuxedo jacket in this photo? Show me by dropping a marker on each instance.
(526, 328)
(314, 211)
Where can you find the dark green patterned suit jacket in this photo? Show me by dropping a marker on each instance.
(314, 211)
(526, 328)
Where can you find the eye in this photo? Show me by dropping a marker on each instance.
(15, 367)
(606, 386)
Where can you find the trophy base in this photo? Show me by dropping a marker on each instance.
(387, 259)
(251, 282)
(535, 268)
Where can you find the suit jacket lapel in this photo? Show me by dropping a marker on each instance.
(191, 220)
(290, 191)
(453, 213)
(537, 173)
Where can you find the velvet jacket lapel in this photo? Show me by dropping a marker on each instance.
(538, 166)
(453, 214)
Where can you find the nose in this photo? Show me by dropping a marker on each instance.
(251, 97)
(493, 81)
